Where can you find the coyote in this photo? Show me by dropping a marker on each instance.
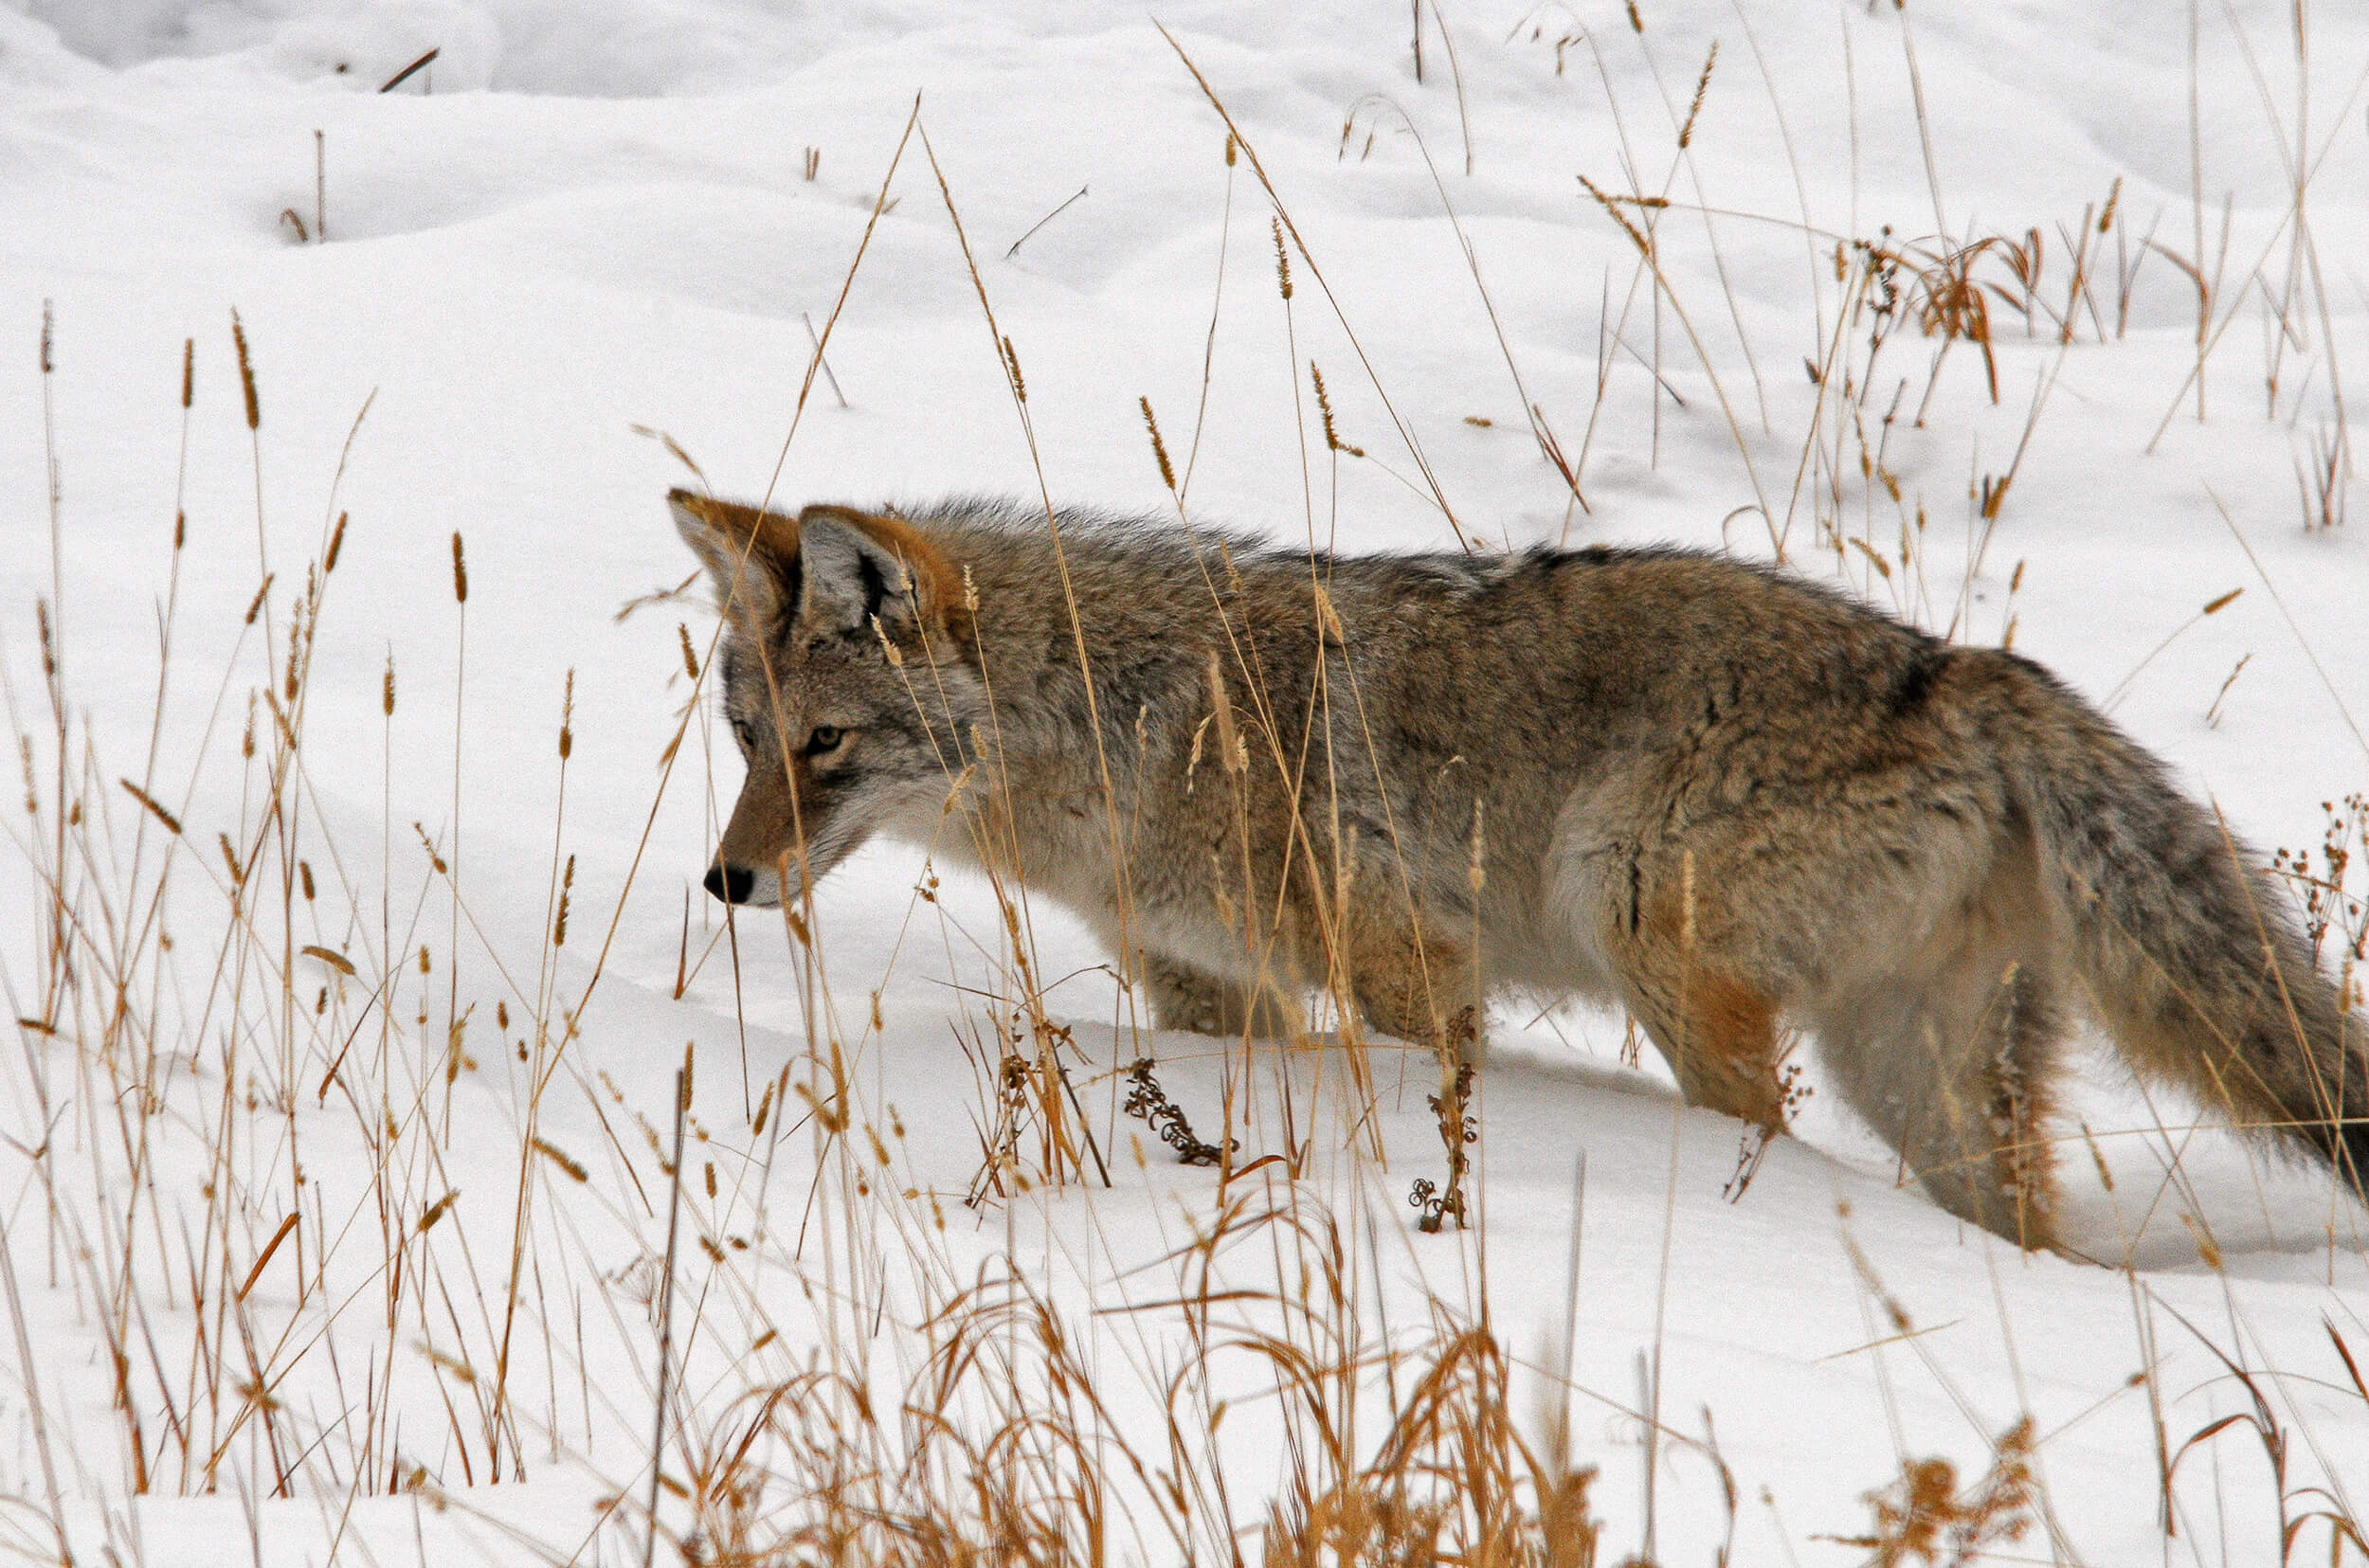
(1731, 801)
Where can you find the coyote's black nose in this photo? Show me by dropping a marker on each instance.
(730, 883)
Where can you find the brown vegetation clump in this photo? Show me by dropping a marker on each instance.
(1924, 1517)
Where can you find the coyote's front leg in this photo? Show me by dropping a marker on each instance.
(1423, 991)
(1196, 1000)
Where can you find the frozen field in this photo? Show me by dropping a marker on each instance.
(352, 931)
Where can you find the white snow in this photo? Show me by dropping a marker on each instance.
(588, 218)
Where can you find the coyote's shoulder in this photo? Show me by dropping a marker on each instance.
(1725, 796)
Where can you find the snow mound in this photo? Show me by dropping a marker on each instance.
(580, 48)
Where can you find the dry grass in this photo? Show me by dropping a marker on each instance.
(1926, 1518)
(226, 995)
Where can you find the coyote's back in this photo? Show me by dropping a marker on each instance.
(1730, 800)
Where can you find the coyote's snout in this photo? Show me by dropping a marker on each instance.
(1730, 800)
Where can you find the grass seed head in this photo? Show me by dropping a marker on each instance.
(560, 1157)
(1702, 86)
(1159, 453)
(1011, 362)
(1324, 407)
(173, 823)
(566, 886)
(1636, 237)
(246, 373)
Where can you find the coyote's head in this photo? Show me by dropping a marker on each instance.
(846, 680)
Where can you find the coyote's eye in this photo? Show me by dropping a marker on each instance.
(825, 738)
(745, 734)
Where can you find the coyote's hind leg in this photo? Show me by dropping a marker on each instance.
(1954, 1062)
(1960, 1081)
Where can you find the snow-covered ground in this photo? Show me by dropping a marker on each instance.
(582, 223)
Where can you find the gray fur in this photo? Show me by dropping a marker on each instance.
(1726, 798)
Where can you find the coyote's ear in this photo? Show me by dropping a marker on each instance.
(856, 568)
(751, 556)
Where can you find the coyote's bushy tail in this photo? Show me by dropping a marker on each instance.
(2194, 962)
